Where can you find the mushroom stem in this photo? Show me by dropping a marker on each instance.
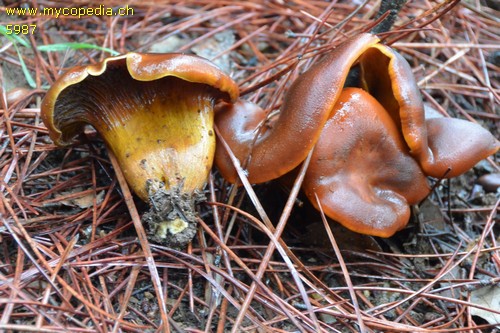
(163, 140)
(169, 140)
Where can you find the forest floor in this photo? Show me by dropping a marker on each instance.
(261, 260)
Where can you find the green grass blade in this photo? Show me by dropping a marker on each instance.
(74, 46)
(26, 72)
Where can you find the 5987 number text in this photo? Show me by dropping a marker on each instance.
(20, 29)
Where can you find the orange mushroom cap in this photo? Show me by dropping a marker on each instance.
(361, 170)
(61, 121)
(306, 108)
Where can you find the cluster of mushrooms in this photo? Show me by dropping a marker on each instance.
(372, 146)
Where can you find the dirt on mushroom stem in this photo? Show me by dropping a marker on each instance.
(171, 218)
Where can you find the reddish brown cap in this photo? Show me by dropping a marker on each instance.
(455, 146)
(444, 147)
(361, 170)
(388, 77)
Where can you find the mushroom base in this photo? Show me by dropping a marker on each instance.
(171, 219)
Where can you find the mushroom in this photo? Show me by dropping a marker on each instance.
(306, 108)
(445, 147)
(373, 144)
(490, 182)
(155, 113)
(361, 169)
(455, 146)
